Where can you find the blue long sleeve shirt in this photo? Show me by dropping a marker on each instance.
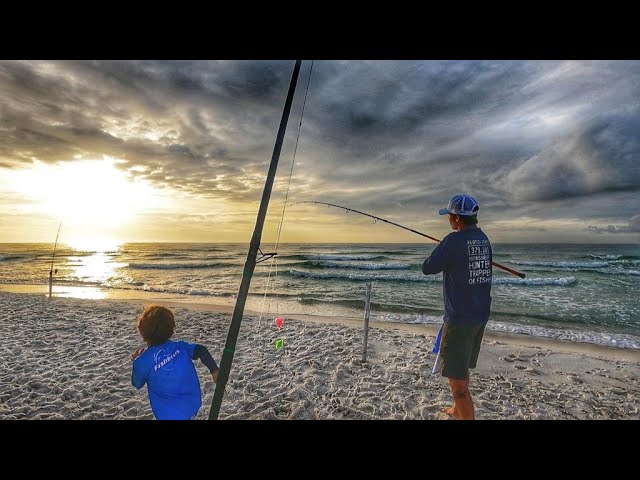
(465, 259)
(171, 378)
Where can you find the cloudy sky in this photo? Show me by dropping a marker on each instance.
(179, 150)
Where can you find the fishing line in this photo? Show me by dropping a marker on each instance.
(274, 260)
(293, 161)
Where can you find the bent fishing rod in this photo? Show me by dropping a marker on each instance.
(52, 259)
(514, 272)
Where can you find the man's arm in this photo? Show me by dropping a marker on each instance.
(437, 261)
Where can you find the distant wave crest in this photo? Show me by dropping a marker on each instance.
(6, 258)
(615, 257)
(565, 264)
(364, 276)
(344, 257)
(356, 266)
(534, 282)
(176, 266)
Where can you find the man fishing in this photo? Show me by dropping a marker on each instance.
(465, 257)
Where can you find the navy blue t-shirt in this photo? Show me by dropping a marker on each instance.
(465, 258)
(171, 378)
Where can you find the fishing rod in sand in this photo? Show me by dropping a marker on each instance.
(53, 256)
(250, 263)
(514, 272)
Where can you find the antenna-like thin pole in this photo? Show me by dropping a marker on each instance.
(52, 257)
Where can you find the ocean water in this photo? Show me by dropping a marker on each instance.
(576, 292)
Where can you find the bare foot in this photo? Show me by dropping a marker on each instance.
(451, 411)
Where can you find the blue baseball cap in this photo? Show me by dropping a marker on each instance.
(464, 205)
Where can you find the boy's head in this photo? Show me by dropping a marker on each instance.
(156, 324)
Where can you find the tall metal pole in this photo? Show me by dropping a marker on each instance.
(250, 263)
(367, 308)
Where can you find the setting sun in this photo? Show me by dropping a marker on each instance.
(87, 192)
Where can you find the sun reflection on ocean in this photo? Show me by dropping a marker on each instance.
(97, 266)
(88, 293)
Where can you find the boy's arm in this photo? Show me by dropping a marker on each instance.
(201, 352)
(137, 353)
(138, 379)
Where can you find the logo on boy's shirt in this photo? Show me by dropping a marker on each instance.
(165, 360)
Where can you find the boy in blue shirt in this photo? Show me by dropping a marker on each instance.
(465, 257)
(167, 367)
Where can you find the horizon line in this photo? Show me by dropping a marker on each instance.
(333, 243)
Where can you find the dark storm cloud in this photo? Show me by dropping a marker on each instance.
(205, 106)
(604, 156)
(632, 226)
(469, 120)
(391, 136)
(370, 102)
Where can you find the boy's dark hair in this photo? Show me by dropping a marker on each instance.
(156, 324)
(469, 219)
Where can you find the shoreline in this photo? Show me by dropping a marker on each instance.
(220, 305)
(69, 359)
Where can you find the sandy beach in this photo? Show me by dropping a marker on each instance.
(69, 359)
